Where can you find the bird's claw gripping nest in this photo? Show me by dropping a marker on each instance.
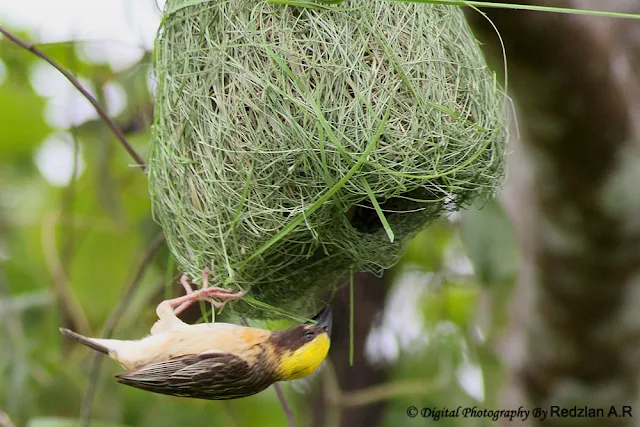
(218, 297)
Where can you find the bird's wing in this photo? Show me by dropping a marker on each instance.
(214, 376)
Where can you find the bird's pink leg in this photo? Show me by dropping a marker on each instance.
(184, 281)
(205, 293)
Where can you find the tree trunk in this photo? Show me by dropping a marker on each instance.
(576, 340)
(369, 294)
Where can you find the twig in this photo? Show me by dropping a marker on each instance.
(386, 391)
(331, 392)
(285, 406)
(337, 400)
(110, 325)
(68, 304)
(96, 105)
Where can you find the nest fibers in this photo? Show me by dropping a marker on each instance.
(292, 144)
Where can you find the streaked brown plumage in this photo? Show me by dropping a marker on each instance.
(214, 361)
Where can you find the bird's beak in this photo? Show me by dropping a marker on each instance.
(324, 319)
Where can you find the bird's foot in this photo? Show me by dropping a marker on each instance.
(218, 297)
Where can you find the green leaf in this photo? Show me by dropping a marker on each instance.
(427, 248)
(460, 303)
(21, 121)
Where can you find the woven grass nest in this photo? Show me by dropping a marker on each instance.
(292, 145)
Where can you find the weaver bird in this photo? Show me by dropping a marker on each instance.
(215, 361)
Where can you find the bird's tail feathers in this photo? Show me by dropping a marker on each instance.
(89, 342)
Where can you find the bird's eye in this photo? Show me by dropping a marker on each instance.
(309, 335)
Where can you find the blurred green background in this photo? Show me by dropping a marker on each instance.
(75, 226)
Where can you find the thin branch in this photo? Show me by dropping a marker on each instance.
(285, 405)
(110, 325)
(69, 305)
(331, 389)
(96, 105)
(339, 399)
(330, 5)
(387, 391)
(231, 414)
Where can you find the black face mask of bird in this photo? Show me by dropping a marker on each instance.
(324, 320)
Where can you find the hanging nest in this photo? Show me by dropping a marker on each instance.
(294, 144)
